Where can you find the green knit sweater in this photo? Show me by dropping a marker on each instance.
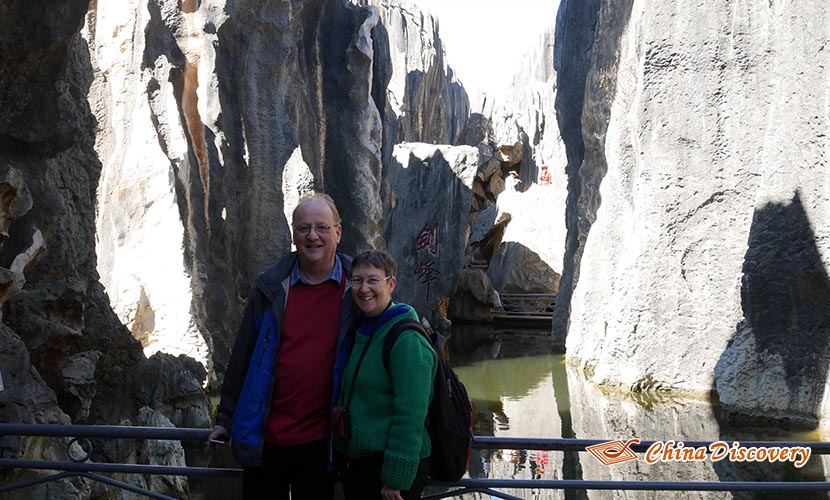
(388, 415)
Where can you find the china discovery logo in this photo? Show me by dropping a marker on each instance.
(613, 452)
(617, 452)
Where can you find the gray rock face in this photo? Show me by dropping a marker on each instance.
(523, 121)
(240, 100)
(573, 45)
(427, 103)
(178, 395)
(63, 352)
(475, 297)
(162, 452)
(78, 380)
(26, 398)
(426, 230)
(710, 245)
(46, 149)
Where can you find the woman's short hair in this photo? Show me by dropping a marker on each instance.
(379, 259)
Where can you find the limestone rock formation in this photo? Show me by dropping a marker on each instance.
(520, 233)
(426, 230)
(704, 186)
(214, 123)
(48, 161)
(63, 354)
(26, 398)
(207, 121)
(77, 380)
(521, 123)
(475, 297)
(424, 100)
(162, 452)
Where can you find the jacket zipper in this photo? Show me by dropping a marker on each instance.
(264, 346)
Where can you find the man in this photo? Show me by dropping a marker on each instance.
(287, 362)
(544, 176)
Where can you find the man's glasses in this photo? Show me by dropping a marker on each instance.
(320, 228)
(372, 282)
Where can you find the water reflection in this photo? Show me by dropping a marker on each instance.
(520, 389)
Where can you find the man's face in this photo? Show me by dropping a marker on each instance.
(317, 246)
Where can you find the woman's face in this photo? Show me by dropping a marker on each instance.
(372, 289)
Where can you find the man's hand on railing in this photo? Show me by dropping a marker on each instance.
(219, 436)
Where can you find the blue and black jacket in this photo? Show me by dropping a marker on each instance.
(249, 379)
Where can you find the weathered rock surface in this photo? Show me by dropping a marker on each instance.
(474, 298)
(427, 103)
(426, 230)
(46, 137)
(711, 243)
(521, 124)
(26, 398)
(573, 43)
(64, 354)
(207, 119)
(162, 452)
(77, 380)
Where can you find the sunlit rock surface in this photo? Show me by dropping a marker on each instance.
(704, 185)
(523, 120)
(213, 123)
(529, 256)
(523, 240)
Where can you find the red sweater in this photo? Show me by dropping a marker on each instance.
(305, 365)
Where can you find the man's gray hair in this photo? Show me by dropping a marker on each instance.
(317, 197)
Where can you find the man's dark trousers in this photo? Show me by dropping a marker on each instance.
(300, 469)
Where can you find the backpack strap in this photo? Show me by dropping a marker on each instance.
(395, 332)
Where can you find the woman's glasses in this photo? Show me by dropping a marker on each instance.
(372, 282)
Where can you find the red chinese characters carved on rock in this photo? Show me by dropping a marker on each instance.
(428, 239)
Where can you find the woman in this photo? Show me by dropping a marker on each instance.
(386, 453)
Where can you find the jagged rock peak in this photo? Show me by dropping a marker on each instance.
(423, 93)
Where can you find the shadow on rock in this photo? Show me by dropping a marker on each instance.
(774, 369)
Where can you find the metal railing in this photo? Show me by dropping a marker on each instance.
(79, 466)
(525, 305)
